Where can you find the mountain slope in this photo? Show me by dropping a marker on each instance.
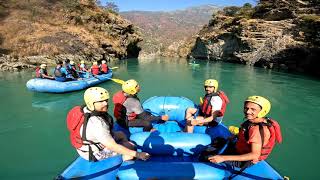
(163, 31)
(59, 29)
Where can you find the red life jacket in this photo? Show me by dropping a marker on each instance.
(104, 68)
(206, 106)
(275, 136)
(38, 75)
(75, 119)
(119, 110)
(95, 70)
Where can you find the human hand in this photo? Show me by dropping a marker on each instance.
(198, 121)
(216, 159)
(165, 117)
(194, 122)
(142, 155)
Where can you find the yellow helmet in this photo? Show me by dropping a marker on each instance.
(103, 62)
(262, 102)
(95, 94)
(71, 62)
(95, 63)
(212, 82)
(130, 87)
(82, 62)
(43, 66)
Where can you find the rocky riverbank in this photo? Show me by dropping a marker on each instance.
(34, 32)
(276, 34)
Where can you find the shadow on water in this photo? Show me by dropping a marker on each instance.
(54, 102)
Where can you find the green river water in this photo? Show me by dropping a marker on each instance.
(34, 139)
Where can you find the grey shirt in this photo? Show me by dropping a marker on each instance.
(133, 105)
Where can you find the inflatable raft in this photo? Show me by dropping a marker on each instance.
(52, 86)
(174, 154)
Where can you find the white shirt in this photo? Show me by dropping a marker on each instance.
(97, 131)
(216, 103)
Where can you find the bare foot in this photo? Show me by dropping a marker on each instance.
(153, 129)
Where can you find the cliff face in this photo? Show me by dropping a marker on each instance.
(274, 34)
(33, 32)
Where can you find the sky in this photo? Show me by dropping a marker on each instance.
(169, 5)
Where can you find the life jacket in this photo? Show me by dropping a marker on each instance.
(206, 107)
(95, 70)
(58, 73)
(73, 71)
(76, 118)
(104, 68)
(38, 74)
(275, 136)
(119, 110)
(68, 68)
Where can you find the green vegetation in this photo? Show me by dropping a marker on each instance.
(111, 7)
(311, 18)
(246, 11)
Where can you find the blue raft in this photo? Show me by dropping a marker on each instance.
(52, 86)
(174, 153)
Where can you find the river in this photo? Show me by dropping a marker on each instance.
(34, 137)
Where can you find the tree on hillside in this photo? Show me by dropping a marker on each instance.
(231, 10)
(247, 5)
(111, 6)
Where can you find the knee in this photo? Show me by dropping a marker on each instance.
(147, 126)
(191, 110)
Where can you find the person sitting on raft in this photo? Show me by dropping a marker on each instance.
(256, 138)
(211, 111)
(71, 74)
(41, 72)
(83, 66)
(60, 72)
(104, 67)
(91, 130)
(73, 69)
(95, 69)
(128, 110)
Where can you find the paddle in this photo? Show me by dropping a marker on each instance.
(119, 81)
(116, 67)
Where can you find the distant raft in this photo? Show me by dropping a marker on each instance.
(174, 154)
(52, 86)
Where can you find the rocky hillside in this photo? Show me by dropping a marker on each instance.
(276, 34)
(33, 31)
(163, 32)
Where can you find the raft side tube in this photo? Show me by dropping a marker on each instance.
(176, 143)
(83, 169)
(175, 107)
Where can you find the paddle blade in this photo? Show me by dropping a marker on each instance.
(114, 67)
(118, 81)
(201, 101)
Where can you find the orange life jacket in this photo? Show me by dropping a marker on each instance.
(95, 70)
(275, 136)
(104, 68)
(206, 106)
